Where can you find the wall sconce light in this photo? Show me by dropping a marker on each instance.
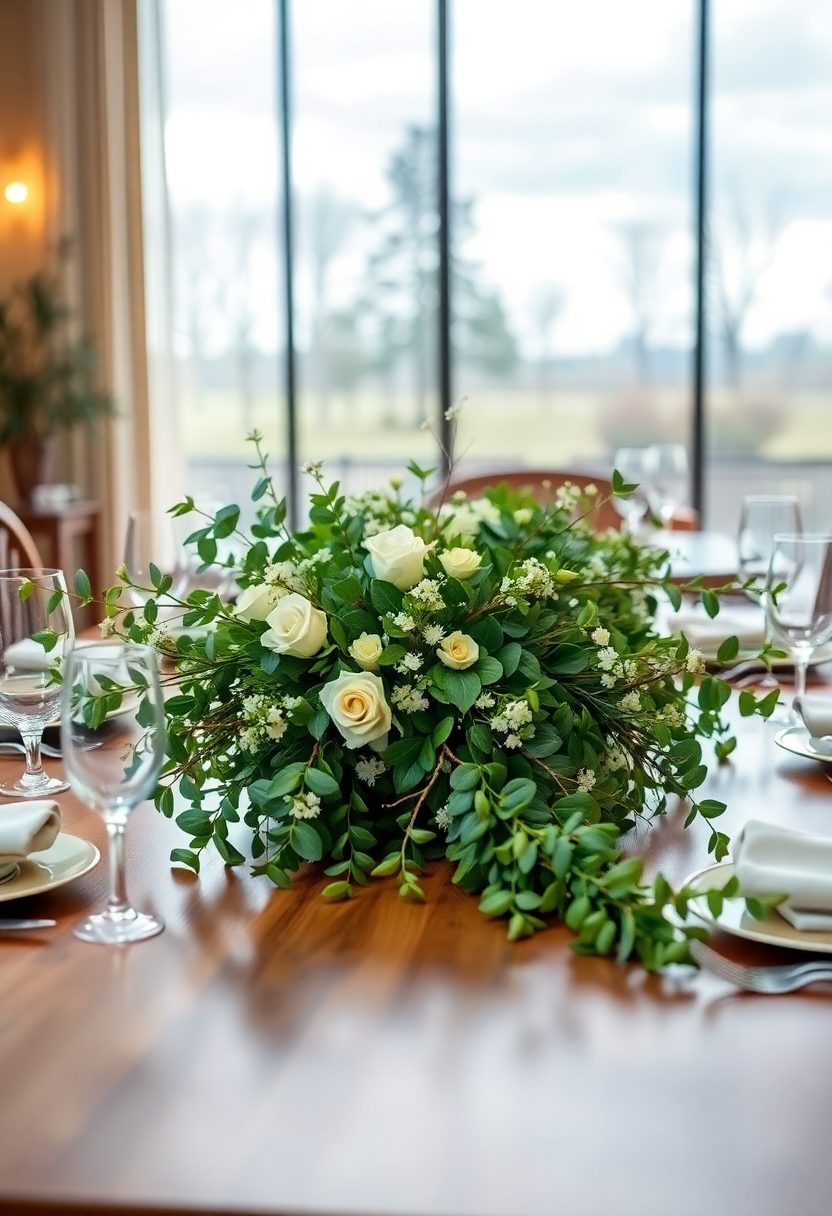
(16, 193)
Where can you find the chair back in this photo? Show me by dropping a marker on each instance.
(543, 484)
(17, 545)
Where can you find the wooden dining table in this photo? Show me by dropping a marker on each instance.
(271, 1052)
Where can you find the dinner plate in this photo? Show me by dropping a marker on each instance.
(796, 739)
(67, 859)
(735, 919)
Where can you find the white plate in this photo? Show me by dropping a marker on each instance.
(67, 859)
(734, 918)
(796, 739)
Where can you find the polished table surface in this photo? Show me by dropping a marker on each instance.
(273, 1053)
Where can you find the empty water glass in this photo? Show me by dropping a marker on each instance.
(799, 614)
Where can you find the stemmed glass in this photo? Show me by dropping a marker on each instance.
(141, 547)
(666, 470)
(33, 604)
(113, 741)
(630, 462)
(800, 614)
(763, 517)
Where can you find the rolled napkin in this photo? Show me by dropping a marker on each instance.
(26, 827)
(706, 633)
(816, 712)
(770, 860)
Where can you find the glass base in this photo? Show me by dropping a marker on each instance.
(34, 789)
(110, 928)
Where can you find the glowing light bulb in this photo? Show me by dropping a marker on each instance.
(16, 192)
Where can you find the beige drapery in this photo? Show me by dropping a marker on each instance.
(87, 101)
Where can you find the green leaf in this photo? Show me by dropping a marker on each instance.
(497, 903)
(287, 780)
(337, 890)
(489, 670)
(305, 841)
(195, 822)
(385, 598)
(461, 687)
(321, 783)
(226, 850)
(510, 657)
(390, 865)
(403, 751)
(82, 585)
(442, 731)
(465, 777)
(185, 857)
(728, 650)
(710, 603)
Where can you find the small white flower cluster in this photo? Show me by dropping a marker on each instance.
(264, 718)
(671, 716)
(378, 509)
(586, 780)
(614, 758)
(107, 627)
(443, 818)
(532, 580)
(408, 698)
(631, 702)
(454, 411)
(567, 496)
(304, 806)
(427, 595)
(284, 574)
(596, 568)
(612, 667)
(486, 700)
(600, 636)
(410, 663)
(369, 768)
(312, 468)
(433, 634)
(404, 621)
(463, 517)
(515, 722)
(695, 661)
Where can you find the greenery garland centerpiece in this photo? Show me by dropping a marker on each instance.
(481, 681)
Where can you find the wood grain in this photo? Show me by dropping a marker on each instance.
(273, 1053)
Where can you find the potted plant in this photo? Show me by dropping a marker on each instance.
(48, 378)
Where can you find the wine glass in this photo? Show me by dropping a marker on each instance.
(763, 517)
(34, 613)
(630, 462)
(113, 740)
(666, 471)
(800, 614)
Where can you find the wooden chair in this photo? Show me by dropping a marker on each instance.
(17, 545)
(543, 484)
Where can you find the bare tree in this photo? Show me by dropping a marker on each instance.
(642, 274)
(547, 305)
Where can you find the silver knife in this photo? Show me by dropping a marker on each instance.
(26, 924)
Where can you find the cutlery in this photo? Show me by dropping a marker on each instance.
(772, 981)
(8, 748)
(7, 926)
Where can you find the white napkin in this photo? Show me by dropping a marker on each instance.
(748, 625)
(27, 827)
(816, 712)
(770, 860)
(29, 655)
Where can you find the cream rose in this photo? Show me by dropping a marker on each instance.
(254, 603)
(458, 651)
(356, 704)
(366, 650)
(295, 627)
(460, 563)
(397, 556)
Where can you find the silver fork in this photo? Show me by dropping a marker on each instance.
(769, 980)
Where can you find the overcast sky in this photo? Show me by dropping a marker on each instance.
(572, 122)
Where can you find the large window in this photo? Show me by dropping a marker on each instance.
(566, 161)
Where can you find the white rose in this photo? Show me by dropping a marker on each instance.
(295, 627)
(256, 602)
(356, 704)
(460, 563)
(397, 556)
(366, 650)
(458, 651)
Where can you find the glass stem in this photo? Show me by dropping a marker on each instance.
(34, 767)
(801, 666)
(118, 879)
